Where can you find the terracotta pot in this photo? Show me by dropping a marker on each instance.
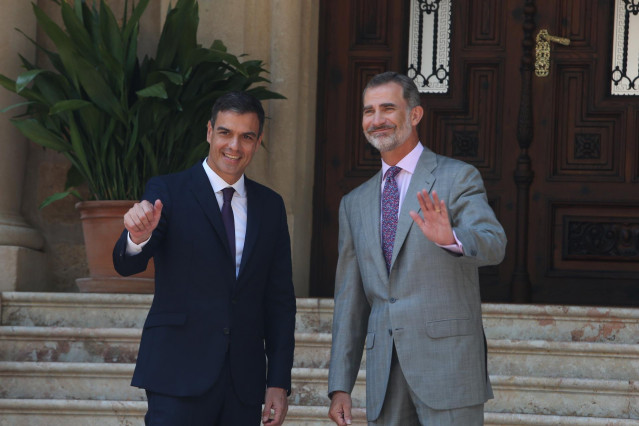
(102, 224)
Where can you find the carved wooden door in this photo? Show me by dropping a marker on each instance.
(583, 230)
(558, 154)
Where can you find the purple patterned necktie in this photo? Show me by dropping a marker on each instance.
(227, 217)
(390, 207)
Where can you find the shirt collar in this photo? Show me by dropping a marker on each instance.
(409, 162)
(219, 184)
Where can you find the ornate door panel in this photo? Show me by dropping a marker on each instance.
(584, 214)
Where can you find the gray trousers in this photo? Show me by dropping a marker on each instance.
(403, 408)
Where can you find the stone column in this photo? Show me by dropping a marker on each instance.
(22, 262)
(293, 59)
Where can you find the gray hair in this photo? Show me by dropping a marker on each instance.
(409, 88)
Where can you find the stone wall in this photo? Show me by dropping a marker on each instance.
(21, 257)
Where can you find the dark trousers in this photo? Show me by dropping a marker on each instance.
(219, 406)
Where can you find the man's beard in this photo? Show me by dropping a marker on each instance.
(385, 143)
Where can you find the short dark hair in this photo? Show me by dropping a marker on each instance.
(241, 103)
(409, 88)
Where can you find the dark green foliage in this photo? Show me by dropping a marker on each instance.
(120, 121)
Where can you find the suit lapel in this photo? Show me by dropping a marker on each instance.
(252, 222)
(371, 215)
(203, 192)
(422, 179)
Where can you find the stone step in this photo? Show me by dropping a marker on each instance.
(93, 310)
(39, 412)
(501, 321)
(561, 323)
(513, 395)
(101, 381)
(507, 419)
(565, 397)
(69, 344)
(68, 380)
(51, 412)
(312, 350)
(539, 358)
(516, 357)
(117, 345)
(89, 310)
(318, 416)
(120, 413)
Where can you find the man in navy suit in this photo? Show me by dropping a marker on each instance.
(224, 302)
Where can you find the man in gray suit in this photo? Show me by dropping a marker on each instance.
(407, 288)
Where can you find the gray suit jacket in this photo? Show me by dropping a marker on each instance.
(429, 304)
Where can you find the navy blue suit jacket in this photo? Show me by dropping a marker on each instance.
(200, 310)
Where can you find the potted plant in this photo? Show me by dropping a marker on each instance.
(120, 120)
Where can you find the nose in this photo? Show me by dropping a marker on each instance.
(234, 143)
(378, 119)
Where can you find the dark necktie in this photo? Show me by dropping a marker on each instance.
(390, 207)
(227, 218)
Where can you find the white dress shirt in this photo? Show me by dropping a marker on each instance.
(239, 204)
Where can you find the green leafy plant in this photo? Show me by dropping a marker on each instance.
(117, 119)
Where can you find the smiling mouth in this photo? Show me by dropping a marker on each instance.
(232, 157)
(380, 129)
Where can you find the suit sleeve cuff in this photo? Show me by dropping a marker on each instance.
(131, 248)
(454, 248)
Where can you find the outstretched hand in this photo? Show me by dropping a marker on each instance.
(435, 223)
(142, 219)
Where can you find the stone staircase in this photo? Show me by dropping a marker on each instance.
(67, 359)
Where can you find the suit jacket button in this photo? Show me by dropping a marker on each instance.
(393, 300)
(226, 330)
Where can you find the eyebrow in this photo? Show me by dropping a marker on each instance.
(384, 105)
(229, 130)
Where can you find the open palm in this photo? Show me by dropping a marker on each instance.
(434, 222)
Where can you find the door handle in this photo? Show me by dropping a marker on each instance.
(542, 51)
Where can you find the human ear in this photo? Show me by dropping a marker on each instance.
(416, 115)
